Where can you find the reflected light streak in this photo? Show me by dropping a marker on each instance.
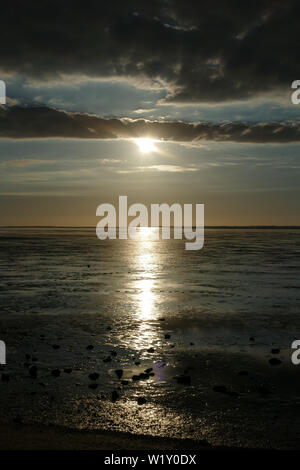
(146, 264)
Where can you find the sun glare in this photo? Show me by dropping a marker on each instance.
(145, 145)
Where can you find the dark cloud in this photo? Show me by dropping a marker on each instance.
(204, 51)
(42, 122)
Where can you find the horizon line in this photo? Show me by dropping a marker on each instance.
(160, 226)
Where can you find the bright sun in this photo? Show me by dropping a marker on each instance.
(145, 145)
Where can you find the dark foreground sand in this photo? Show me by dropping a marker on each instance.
(26, 437)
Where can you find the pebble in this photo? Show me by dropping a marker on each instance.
(275, 351)
(18, 420)
(93, 386)
(143, 376)
(232, 394)
(184, 380)
(33, 372)
(264, 391)
(94, 376)
(141, 400)
(223, 389)
(119, 373)
(114, 395)
(55, 372)
(220, 388)
(274, 361)
(68, 371)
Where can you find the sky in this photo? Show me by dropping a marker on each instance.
(210, 84)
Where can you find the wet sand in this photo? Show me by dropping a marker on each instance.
(24, 437)
(225, 397)
(135, 340)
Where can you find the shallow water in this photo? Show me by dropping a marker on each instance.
(222, 308)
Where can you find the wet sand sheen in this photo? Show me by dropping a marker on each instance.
(139, 339)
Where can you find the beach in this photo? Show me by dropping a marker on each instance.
(139, 345)
(20, 437)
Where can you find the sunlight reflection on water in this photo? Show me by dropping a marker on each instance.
(146, 263)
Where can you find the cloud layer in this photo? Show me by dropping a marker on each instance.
(43, 122)
(199, 51)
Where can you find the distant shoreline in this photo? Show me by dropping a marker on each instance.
(215, 227)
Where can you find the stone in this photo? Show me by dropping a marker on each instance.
(143, 376)
(93, 386)
(141, 400)
(275, 350)
(184, 380)
(18, 420)
(119, 373)
(220, 389)
(33, 372)
(114, 395)
(94, 376)
(264, 391)
(274, 361)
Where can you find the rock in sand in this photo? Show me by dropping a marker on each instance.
(94, 376)
(119, 373)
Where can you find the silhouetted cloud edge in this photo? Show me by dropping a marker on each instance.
(44, 122)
